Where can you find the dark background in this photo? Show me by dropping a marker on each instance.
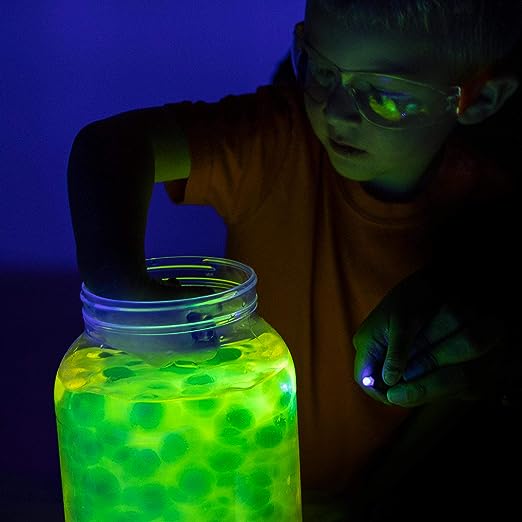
(66, 63)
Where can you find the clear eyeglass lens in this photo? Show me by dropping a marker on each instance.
(387, 102)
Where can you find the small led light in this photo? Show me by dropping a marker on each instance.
(368, 380)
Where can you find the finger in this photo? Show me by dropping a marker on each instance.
(408, 319)
(442, 325)
(454, 349)
(447, 382)
(368, 362)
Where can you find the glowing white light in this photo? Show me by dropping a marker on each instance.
(285, 387)
(368, 381)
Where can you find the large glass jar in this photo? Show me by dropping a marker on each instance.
(179, 410)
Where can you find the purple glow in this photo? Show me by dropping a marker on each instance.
(368, 380)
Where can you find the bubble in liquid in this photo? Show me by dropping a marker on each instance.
(195, 483)
(87, 409)
(224, 461)
(118, 372)
(141, 462)
(269, 436)
(148, 415)
(240, 418)
(174, 447)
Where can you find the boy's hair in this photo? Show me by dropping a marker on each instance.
(473, 33)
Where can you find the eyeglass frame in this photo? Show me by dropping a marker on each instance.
(454, 96)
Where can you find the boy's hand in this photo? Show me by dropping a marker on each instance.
(413, 348)
(148, 289)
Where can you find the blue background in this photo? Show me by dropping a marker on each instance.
(64, 64)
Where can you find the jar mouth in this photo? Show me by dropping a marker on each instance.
(233, 286)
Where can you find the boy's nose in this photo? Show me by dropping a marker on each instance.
(341, 106)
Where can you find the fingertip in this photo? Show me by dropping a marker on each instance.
(391, 377)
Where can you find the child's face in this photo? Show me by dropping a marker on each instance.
(395, 160)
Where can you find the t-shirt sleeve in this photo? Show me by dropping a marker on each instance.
(236, 147)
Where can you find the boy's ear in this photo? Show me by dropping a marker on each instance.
(492, 96)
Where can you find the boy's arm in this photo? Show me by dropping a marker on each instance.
(112, 167)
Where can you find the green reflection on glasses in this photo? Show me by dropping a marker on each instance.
(387, 101)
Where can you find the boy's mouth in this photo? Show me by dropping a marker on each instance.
(344, 149)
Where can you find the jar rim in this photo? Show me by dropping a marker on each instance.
(154, 264)
(231, 298)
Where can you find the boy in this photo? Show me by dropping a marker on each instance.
(334, 194)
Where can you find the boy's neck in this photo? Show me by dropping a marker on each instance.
(390, 195)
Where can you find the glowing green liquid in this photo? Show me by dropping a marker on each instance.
(215, 441)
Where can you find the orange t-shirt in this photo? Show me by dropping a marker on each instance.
(325, 253)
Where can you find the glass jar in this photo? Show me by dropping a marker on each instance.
(179, 410)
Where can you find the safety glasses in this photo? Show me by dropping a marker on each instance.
(388, 101)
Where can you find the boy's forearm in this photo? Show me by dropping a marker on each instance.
(110, 178)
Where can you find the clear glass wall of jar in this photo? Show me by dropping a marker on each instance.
(179, 410)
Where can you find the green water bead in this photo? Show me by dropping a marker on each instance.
(112, 434)
(202, 407)
(87, 409)
(122, 455)
(240, 418)
(118, 372)
(260, 479)
(232, 437)
(220, 514)
(83, 446)
(285, 398)
(224, 355)
(141, 462)
(149, 500)
(280, 422)
(173, 514)
(200, 380)
(148, 415)
(269, 436)
(195, 483)
(224, 461)
(250, 494)
(174, 447)
(101, 485)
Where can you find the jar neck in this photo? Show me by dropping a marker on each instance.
(232, 297)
